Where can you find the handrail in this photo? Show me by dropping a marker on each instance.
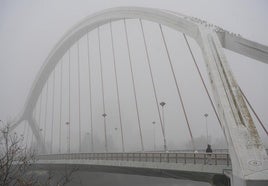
(162, 157)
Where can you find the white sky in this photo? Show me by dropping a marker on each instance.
(30, 28)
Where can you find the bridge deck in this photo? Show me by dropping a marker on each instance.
(193, 166)
(166, 157)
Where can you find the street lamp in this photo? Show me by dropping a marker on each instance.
(68, 136)
(88, 139)
(104, 118)
(206, 115)
(154, 132)
(163, 120)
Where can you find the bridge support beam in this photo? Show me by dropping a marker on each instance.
(248, 155)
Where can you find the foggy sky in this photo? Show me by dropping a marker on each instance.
(29, 29)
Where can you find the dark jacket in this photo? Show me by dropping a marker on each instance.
(209, 150)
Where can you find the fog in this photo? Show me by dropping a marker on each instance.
(29, 29)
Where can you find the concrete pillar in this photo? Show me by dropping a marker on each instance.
(248, 156)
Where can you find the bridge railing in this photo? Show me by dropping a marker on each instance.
(185, 158)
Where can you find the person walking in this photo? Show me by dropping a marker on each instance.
(209, 152)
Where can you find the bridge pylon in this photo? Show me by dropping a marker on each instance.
(248, 155)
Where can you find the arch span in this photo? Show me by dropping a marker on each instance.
(175, 21)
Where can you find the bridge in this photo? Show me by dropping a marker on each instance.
(193, 166)
(118, 88)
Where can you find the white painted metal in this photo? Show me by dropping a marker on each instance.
(248, 156)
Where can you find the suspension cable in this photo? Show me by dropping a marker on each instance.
(40, 107)
(177, 86)
(102, 88)
(39, 119)
(52, 112)
(133, 84)
(253, 110)
(79, 106)
(117, 89)
(153, 83)
(90, 96)
(69, 114)
(45, 124)
(60, 106)
(202, 79)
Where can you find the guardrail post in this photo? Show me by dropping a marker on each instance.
(184, 158)
(205, 161)
(194, 159)
(152, 157)
(168, 157)
(176, 157)
(216, 159)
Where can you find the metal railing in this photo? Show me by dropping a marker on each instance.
(170, 157)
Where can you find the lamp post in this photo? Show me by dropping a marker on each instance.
(206, 116)
(106, 144)
(154, 133)
(41, 136)
(163, 120)
(88, 139)
(68, 136)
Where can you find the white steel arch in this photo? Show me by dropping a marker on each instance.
(248, 155)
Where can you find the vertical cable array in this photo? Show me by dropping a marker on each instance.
(117, 89)
(52, 112)
(201, 77)
(153, 83)
(177, 86)
(102, 86)
(90, 96)
(79, 107)
(60, 106)
(133, 85)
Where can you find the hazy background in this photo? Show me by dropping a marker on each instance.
(30, 28)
